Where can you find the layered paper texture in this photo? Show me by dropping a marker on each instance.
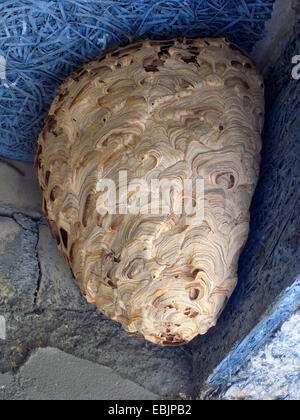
(176, 110)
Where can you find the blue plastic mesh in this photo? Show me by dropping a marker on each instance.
(44, 41)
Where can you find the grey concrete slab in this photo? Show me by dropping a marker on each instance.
(5, 380)
(51, 374)
(18, 192)
(19, 267)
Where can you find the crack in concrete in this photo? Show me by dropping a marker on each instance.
(6, 215)
(11, 214)
(35, 232)
(39, 280)
(15, 217)
(11, 165)
(37, 222)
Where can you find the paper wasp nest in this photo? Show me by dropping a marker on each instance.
(172, 110)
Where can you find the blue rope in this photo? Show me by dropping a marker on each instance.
(44, 41)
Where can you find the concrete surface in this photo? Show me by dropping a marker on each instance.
(19, 267)
(51, 374)
(19, 192)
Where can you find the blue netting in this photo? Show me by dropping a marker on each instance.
(44, 41)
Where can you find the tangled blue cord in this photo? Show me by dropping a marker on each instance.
(42, 42)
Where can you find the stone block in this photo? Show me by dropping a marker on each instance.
(19, 193)
(55, 375)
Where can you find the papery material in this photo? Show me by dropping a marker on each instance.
(175, 110)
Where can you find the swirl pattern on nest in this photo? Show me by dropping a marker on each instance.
(176, 109)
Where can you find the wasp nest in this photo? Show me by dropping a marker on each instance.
(175, 110)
